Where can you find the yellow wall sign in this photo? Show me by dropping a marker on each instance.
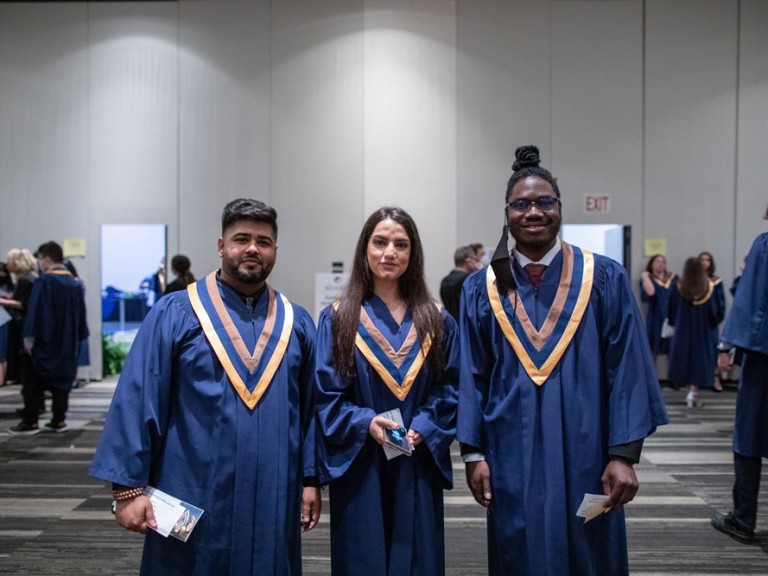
(655, 246)
(74, 247)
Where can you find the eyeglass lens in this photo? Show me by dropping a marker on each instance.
(543, 203)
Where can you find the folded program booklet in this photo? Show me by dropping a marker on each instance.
(396, 442)
(174, 517)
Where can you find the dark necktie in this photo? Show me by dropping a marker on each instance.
(535, 272)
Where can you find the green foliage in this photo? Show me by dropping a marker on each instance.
(113, 355)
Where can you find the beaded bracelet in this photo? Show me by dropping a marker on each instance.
(129, 494)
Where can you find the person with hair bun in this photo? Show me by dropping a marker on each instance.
(557, 391)
(180, 265)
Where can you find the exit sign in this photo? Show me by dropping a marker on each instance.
(597, 204)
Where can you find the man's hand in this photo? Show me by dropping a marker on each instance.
(619, 483)
(136, 515)
(479, 481)
(311, 502)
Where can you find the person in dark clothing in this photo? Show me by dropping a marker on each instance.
(6, 288)
(54, 324)
(450, 287)
(180, 265)
(746, 336)
(23, 266)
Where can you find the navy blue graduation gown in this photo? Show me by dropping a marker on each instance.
(56, 320)
(386, 516)
(177, 423)
(657, 312)
(747, 328)
(693, 353)
(547, 445)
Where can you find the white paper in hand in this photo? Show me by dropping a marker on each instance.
(396, 443)
(592, 506)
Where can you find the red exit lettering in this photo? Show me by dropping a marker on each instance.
(596, 203)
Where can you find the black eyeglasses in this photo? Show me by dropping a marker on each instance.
(543, 203)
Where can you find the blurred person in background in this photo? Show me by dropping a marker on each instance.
(708, 262)
(180, 266)
(23, 267)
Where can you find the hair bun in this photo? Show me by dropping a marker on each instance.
(526, 157)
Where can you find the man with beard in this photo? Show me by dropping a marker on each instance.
(556, 393)
(213, 408)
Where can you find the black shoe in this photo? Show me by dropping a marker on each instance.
(56, 426)
(727, 524)
(24, 429)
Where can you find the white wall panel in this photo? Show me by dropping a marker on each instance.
(503, 82)
(44, 139)
(317, 184)
(224, 107)
(134, 113)
(751, 196)
(597, 110)
(43, 124)
(690, 154)
(410, 120)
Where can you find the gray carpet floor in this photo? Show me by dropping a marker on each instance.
(56, 520)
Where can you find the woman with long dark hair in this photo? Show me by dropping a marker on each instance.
(386, 346)
(708, 263)
(694, 312)
(655, 288)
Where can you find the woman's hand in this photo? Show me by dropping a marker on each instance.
(379, 426)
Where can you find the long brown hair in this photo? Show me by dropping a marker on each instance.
(412, 286)
(711, 271)
(695, 282)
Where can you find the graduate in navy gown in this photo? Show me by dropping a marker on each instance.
(213, 408)
(655, 287)
(54, 325)
(386, 345)
(557, 391)
(695, 310)
(718, 295)
(746, 335)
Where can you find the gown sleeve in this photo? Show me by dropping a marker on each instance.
(138, 416)
(343, 424)
(308, 335)
(476, 363)
(435, 419)
(636, 407)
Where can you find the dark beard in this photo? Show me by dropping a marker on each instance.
(248, 277)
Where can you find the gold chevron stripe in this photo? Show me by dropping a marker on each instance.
(399, 390)
(666, 283)
(250, 360)
(710, 289)
(249, 398)
(540, 375)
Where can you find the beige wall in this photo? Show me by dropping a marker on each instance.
(162, 112)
